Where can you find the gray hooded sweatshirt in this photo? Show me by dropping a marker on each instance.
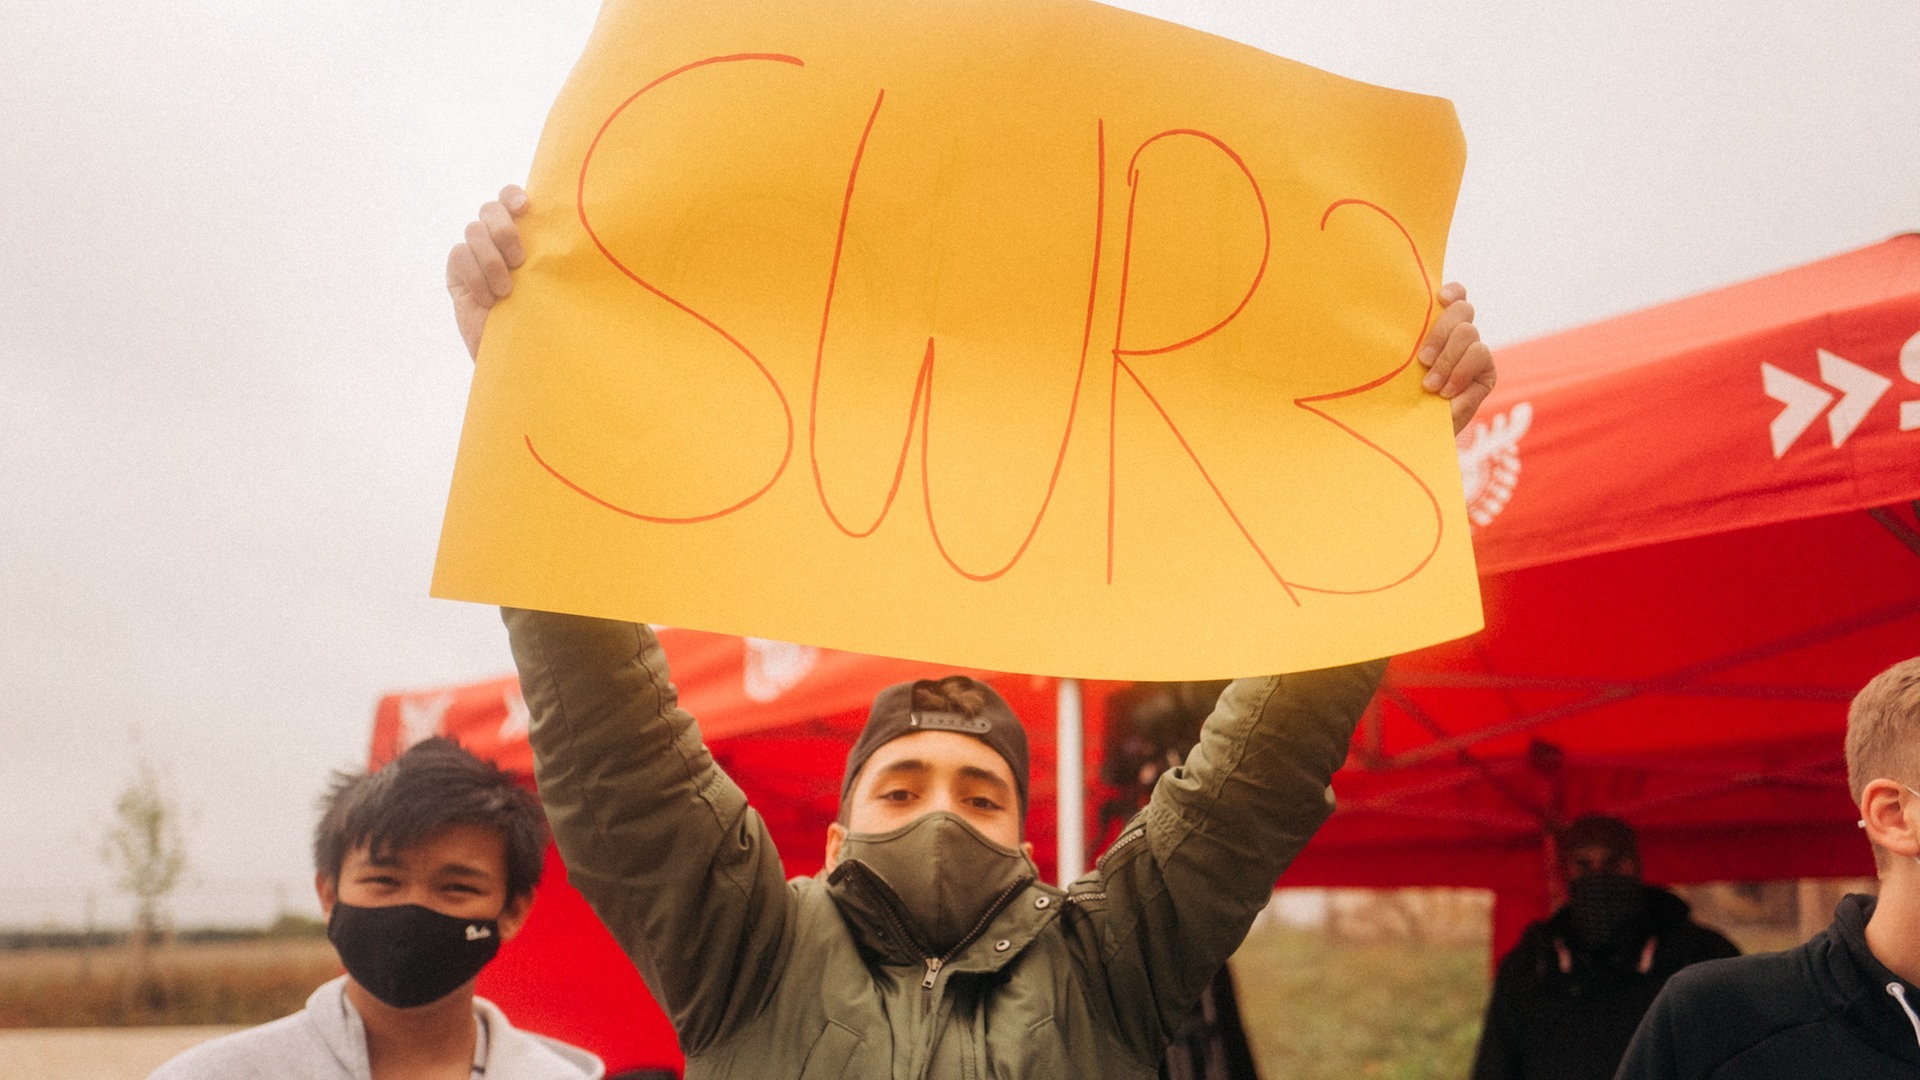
(326, 1041)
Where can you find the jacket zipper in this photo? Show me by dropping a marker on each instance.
(1085, 896)
(935, 963)
(1128, 838)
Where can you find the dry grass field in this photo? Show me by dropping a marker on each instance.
(225, 982)
(95, 1053)
(1317, 1007)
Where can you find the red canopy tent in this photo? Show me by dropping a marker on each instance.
(1695, 544)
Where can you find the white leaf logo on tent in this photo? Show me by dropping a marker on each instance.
(514, 727)
(1490, 462)
(773, 667)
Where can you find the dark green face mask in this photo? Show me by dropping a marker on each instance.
(939, 874)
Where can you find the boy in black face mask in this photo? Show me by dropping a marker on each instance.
(1568, 997)
(423, 869)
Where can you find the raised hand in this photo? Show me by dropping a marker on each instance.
(1459, 365)
(480, 268)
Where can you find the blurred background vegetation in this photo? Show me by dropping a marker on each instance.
(1392, 983)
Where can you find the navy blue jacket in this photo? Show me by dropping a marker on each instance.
(1825, 1009)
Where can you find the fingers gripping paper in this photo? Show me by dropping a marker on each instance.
(1020, 334)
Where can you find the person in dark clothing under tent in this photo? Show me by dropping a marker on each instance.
(1567, 998)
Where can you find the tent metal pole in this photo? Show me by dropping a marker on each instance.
(1897, 527)
(1070, 783)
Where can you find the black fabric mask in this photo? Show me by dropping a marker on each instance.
(1609, 911)
(407, 955)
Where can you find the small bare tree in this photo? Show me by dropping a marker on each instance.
(146, 849)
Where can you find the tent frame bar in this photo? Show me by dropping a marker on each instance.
(1456, 680)
(1671, 684)
(1817, 773)
(1898, 528)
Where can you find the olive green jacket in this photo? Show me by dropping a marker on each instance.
(764, 977)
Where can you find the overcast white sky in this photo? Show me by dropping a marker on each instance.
(230, 390)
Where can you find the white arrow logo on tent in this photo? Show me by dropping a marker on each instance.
(1910, 367)
(421, 717)
(1860, 389)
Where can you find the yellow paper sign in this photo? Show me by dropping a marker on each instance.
(1031, 335)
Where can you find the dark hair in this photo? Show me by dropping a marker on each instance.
(434, 784)
(1609, 834)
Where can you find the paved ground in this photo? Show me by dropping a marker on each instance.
(94, 1053)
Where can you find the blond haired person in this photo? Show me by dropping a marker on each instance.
(1847, 1003)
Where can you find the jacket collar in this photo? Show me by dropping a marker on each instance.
(510, 1052)
(873, 914)
(1859, 983)
(338, 1025)
(515, 1053)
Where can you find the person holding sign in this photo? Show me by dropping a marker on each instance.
(927, 946)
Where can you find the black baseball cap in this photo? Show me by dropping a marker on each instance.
(893, 715)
